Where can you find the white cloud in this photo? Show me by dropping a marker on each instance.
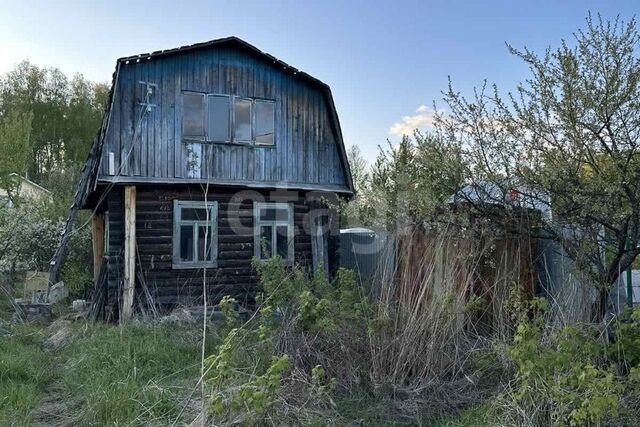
(423, 119)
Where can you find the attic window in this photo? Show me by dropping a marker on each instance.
(264, 122)
(193, 116)
(219, 118)
(242, 120)
(226, 118)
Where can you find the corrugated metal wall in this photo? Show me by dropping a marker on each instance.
(368, 253)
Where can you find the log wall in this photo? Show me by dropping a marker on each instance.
(165, 287)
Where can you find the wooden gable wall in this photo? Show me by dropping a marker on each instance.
(306, 149)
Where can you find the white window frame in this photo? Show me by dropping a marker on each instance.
(177, 263)
(257, 223)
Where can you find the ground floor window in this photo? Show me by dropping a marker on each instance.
(195, 234)
(273, 236)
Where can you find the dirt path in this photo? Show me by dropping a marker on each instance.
(53, 409)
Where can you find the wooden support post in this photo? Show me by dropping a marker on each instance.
(129, 252)
(97, 239)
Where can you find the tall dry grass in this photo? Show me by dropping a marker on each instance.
(444, 303)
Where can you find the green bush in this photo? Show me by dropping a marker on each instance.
(77, 270)
(259, 364)
(573, 376)
(31, 233)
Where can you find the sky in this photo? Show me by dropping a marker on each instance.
(386, 62)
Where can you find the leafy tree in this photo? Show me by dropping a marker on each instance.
(358, 211)
(568, 138)
(410, 182)
(15, 130)
(65, 114)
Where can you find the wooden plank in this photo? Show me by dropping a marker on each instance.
(97, 240)
(177, 125)
(129, 252)
(126, 120)
(168, 115)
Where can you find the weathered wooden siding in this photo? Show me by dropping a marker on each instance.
(148, 145)
(168, 287)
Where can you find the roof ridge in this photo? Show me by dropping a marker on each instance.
(219, 41)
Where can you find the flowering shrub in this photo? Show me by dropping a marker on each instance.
(29, 235)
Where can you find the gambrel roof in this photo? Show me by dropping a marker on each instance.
(90, 173)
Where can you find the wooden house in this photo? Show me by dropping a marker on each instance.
(209, 155)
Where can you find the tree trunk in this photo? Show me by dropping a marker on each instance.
(602, 304)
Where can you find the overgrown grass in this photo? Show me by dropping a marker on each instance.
(25, 372)
(480, 415)
(103, 375)
(137, 375)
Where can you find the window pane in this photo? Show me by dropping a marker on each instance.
(266, 241)
(186, 243)
(242, 117)
(265, 122)
(202, 240)
(194, 214)
(193, 116)
(282, 241)
(218, 118)
(274, 214)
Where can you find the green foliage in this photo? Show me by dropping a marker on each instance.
(29, 237)
(561, 139)
(29, 234)
(258, 394)
(563, 376)
(134, 375)
(313, 304)
(481, 415)
(359, 210)
(77, 271)
(411, 181)
(229, 311)
(47, 124)
(243, 374)
(64, 115)
(254, 362)
(321, 385)
(15, 130)
(625, 349)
